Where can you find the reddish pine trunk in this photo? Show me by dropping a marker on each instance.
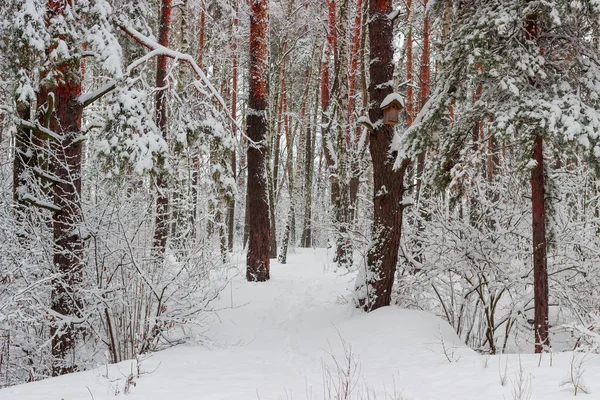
(354, 58)
(341, 256)
(425, 79)
(68, 252)
(257, 260)
(538, 209)
(363, 68)
(410, 93)
(161, 223)
(201, 35)
(352, 73)
(410, 102)
(382, 257)
(65, 120)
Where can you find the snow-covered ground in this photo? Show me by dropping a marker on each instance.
(294, 338)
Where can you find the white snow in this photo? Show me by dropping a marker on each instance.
(278, 340)
(364, 120)
(391, 98)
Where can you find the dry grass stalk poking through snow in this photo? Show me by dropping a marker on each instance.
(576, 372)
(521, 384)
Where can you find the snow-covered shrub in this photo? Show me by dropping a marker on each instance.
(467, 255)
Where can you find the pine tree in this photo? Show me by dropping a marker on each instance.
(161, 228)
(258, 204)
(374, 284)
(538, 72)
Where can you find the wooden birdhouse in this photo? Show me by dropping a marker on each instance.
(391, 106)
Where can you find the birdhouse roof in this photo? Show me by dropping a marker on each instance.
(392, 98)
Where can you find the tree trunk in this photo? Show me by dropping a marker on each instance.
(343, 210)
(195, 159)
(410, 99)
(540, 272)
(202, 23)
(23, 161)
(335, 161)
(374, 286)
(424, 78)
(355, 52)
(63, 116)
(161, 222)
(234, 88)
(287, 233)
(538, 210)
(68, 252)
(257, 260)
(306, 239)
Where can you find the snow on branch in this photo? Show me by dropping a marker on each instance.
(40, 203)
(42, 130)
(158, 49)
(88, 98)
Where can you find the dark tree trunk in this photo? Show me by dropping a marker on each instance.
(246, 224)
(23, 161)
(538, 210)
(333, 138)
(306, 238)
(340, 88)
(231, 208)
(540, 272)
(355, 52)
(195, 157)
(161, 222)
(376, 288)
(257, 260)
(273, 196)
(68, 251)
(63, 117)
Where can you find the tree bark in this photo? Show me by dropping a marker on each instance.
(161, 222)
(234, 88)
(64, 118)
(257, 260)
(23, 161)
(375, 285)
(538, 210)
(410, 99)
(202, 23)
(424, 78)
(306, 239)
(334, 160)
(540, 271)
(68, 252)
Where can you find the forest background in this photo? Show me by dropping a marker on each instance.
(143, 142)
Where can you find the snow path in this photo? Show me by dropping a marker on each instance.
(276, 340)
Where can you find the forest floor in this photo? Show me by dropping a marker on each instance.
(298, 337)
